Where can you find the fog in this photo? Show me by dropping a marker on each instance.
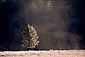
(55, 21)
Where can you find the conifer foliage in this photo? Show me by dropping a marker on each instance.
(30, 37)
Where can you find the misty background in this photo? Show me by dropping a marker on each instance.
(57, 22)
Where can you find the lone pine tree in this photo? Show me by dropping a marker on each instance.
(30, 37)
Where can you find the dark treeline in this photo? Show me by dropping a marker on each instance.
(7, 10)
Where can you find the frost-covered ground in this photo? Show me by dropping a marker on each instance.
(50, 53)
